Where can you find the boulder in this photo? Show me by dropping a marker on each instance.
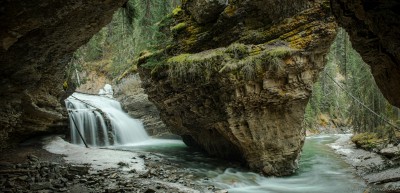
(237, 87)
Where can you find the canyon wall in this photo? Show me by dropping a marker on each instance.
(374, 30)
(236, 77)
(37, 40)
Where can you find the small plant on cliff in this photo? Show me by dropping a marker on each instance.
(238, 51)
(274, 58)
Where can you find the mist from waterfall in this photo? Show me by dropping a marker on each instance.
(101, 122)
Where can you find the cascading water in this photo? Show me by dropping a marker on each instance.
(101, 121)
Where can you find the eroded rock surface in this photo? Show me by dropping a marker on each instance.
(37, 39)
(237, 85)
(133, 100)
(373, 27)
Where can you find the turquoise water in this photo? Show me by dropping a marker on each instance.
(321, 170)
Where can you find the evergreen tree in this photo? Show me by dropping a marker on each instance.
(346, 90)
(132, 30)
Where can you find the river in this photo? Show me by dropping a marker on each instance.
(321, 169)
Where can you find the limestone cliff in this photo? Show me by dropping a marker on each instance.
(37, 38)
(237, 76)
(374, 29)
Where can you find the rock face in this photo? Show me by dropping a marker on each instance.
(133, 100)
(236, 83)
(37, 39)
(374, 31)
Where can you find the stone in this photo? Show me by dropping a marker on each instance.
(205, 11)
(149, 190)
(78, 169)
(9, 184)
(7, 165)
(390, 151)
(23, 178)
(33, 158)
(40, 186)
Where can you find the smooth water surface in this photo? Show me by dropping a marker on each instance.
(321, 170)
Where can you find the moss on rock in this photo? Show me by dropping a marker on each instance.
(368, 140)
(259, 68)
(178, 27)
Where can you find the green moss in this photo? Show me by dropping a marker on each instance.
(279, 51)
(237, 50)
(194, 66)
(367, 140)
(178, 27)
(178, 59)
(244, 61)
(176, 11)
(193, 29)
(151, 60)
(230, 10)
(291, 30)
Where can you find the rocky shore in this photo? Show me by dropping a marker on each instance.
(85, 170)
(380, 172)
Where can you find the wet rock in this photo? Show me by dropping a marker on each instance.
(378, 171)
(205, 11)
(149, 190)
(33, 158)
(41, 177)
(123, 164)
(390, 151)
(78, 170)
(9, 184)
(23, 178)
(6, 165)
(41, 186)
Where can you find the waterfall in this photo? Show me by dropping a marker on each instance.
(101, 121)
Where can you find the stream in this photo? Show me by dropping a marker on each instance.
(321, 170)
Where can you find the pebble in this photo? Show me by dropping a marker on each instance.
(42, 176)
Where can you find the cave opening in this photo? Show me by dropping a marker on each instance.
(39, 69)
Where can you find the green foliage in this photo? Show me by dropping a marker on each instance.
(368, 140)
(133, 29)
(348, 69)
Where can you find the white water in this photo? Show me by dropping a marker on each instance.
(93, 127)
